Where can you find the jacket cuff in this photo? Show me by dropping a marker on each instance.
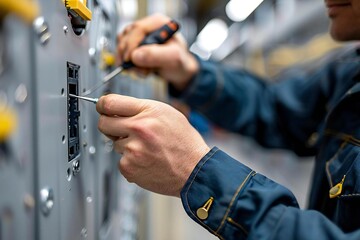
(205, 87)
(218, 179)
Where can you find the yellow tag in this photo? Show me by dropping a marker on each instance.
(80, 8)
(337, 189)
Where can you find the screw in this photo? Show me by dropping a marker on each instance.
(66, 29)
(83, 232)
(92, 53)
(92, 150)
(21, 93)
(76, 167)
(109, 146)
(42, 30)
(89, 198)
(46, 200)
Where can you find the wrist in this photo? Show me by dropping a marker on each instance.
(190, 69)
(196, 156)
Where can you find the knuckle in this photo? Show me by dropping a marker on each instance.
(177, 56)
(146, 129)
(128, 28)
(118, 147)
(135, 150)
(126, 170)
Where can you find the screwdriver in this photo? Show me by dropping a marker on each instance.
(93, 100)
(159, 36)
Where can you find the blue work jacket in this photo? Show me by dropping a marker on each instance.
(313, 112)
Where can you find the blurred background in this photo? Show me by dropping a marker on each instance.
(58, 174)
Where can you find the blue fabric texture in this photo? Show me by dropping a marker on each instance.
(322, 101)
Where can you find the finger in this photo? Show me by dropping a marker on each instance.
(118, 49)
(113, 126)
(156, 56)
(120, 145)
(119, 105)
(131, 41)
(124, 40)
(153, 22)
(134, 34)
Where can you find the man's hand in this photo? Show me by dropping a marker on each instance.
(159, 147)
(171, 60)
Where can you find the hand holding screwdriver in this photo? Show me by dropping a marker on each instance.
(171, 61)
(159, 36)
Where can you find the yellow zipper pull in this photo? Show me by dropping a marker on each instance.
(337, 189)
(203, 212)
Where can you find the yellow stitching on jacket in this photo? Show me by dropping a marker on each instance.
(231, 221)
(328, 170)
(327, 164)
(233, 199)
(345, 137)
(187, 202)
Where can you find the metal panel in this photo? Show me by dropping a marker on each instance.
(16, 151)
(72, 215)
(51, 190)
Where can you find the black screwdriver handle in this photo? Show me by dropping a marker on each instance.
(159, 36)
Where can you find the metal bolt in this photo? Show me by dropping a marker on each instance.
(21, 93)
(109, 146)
(103, 42)
(85, 144)
(83, 232)
(76, 167)
(92, 54)
(42, 30)
(46, 200)
(89, 199)
(92, 150)
(66, 29)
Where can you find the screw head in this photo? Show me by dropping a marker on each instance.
(66, 29)
(84, 233)
(21, 93)
(76, 167)
(92, 150)
(46, 200)
(41, 28)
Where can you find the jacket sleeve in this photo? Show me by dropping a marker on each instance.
(247, 205)
(281, 114)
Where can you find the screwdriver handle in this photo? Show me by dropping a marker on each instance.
(159, 36)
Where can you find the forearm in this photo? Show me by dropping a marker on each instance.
(247, 205)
